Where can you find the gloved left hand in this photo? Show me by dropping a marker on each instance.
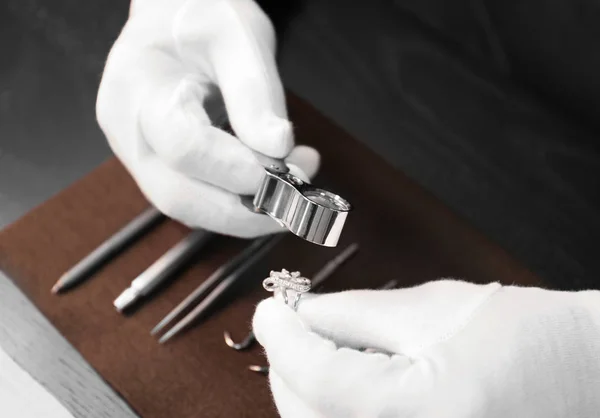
(177, 67)
(454, 350)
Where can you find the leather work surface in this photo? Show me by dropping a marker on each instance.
(403, 233)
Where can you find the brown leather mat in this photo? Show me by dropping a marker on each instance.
(403, 233)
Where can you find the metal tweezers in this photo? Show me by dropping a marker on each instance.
(219, 281)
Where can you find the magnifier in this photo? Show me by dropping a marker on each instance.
(312, 213)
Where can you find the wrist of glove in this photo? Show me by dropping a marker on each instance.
(176, 70)
(452, 349)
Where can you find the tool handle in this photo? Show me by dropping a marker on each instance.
(171, 261)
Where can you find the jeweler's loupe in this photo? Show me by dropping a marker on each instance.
(314, 214)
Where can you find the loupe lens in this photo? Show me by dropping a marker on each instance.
(326, 199)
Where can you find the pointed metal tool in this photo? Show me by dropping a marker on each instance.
(220, 281)
(109, 249)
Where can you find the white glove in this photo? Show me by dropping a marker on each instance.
(175, 68)
(458, 350)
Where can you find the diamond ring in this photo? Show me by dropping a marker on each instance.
(284, 281)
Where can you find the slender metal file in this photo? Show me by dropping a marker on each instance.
(108, 249)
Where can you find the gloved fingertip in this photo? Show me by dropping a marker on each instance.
(271, 318)
(272, 311)
(272, 136)
(266, 310)
(307, 159)
(261, 317)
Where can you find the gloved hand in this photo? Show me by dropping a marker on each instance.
(174, 70)
(456, 350)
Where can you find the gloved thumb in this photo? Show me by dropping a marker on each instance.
(401, 321)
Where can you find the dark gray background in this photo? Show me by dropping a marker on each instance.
(492, 106)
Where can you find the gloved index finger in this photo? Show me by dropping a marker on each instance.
(244, 66)
(321, 373)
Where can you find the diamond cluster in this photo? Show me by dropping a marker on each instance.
(286, 280)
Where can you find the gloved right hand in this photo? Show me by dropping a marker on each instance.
(175, 69)
(452, 349)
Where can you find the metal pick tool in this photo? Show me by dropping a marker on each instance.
(314, 214)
